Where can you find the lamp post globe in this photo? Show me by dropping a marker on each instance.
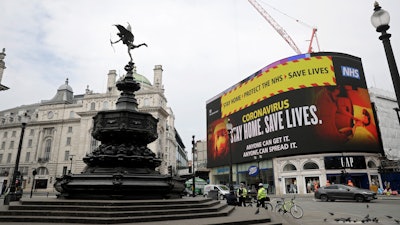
(380, 17)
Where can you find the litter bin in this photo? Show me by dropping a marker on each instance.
(213, 194)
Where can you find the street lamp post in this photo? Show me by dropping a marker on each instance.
(194, 174)
(12, 195)
(71, 157)
(34, 172)
(229, 127)
(258, 158)
(380, 20)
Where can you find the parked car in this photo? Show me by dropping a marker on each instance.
(222, 190)
(344, 192)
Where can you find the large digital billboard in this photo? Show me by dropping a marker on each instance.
(309, 103)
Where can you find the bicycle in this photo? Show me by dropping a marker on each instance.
(283, 207)
(268, 205)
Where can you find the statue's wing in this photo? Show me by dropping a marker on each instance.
(129, 28)
(126, 33)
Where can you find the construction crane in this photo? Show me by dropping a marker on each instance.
(280, 30)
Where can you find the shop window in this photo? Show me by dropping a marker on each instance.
(371, 164)
(312, 184)
(41, 184)
(291, 185)
(310, 166)
(375, 184)
(289, 167)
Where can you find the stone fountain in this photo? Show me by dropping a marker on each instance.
(122, 167)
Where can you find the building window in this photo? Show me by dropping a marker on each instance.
(30, 143)
(32, 132)
(24, 170)
(289, 167)
(49, 131)
(42, 171)
(146, 102)
(47, 149)
(105, 105)
(68, 141)
(69, 129)
(65, 169)
(14, 133)
(9, 158)
(371, 164)
(3, 145)
(92, 106)
(66, 156)
(11, 119)
(11, 145)
(5, 134)
(310, 166)
(1, 158)
(27, 156)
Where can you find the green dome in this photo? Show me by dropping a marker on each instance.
(140, 78)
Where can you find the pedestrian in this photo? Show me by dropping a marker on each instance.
(327, 183)
(350, 183)
(261, 195)
(309, 186)
(315, 186)
(242, 194)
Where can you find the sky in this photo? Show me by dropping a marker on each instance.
(204, 46)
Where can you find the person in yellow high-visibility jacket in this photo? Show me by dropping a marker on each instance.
(261, 195)
(242, 194)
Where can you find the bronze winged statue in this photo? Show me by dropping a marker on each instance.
(125, 35)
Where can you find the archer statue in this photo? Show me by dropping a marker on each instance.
(126, 36)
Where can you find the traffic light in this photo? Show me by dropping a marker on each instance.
(18, 179)
(170, 170)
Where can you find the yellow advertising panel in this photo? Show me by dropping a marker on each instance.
(301, 73)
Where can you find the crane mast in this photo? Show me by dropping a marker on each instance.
(275, 25)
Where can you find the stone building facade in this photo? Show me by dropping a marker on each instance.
(58, 131)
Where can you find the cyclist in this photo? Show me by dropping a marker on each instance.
(261, 195)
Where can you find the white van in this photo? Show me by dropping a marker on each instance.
(222, 190)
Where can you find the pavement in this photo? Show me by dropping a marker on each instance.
(238, 213)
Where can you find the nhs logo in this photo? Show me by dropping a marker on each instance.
(350, 72)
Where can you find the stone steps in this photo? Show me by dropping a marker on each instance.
(46, 211)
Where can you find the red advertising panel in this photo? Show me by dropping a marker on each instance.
(309, 103)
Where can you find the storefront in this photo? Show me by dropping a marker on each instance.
(251, 174)
(304, 174)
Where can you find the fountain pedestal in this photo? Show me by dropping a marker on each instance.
(122, 167)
